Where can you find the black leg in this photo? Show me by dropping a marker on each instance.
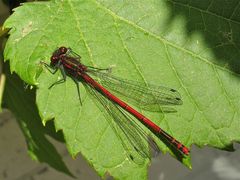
(61, 80)
(78, 90)
(49, 68)
(54, 70)
(77, 56)
(109, 70)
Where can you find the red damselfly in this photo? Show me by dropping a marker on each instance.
(97, 81)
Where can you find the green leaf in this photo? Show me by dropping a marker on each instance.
(190, 46)
(21, 101)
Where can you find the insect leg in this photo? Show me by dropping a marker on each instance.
(61, 80)
(77, 84)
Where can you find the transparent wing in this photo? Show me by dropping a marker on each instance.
(136, 141)
(149, 97)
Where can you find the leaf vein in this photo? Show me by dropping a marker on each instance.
(164, 41)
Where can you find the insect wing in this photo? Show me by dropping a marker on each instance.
(148, 97)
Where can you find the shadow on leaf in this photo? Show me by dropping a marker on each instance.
(21, 101)
(218, 23)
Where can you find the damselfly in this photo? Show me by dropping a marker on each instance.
(98, 82)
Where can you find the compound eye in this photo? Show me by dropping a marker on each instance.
(63, 50)
(54, 59)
